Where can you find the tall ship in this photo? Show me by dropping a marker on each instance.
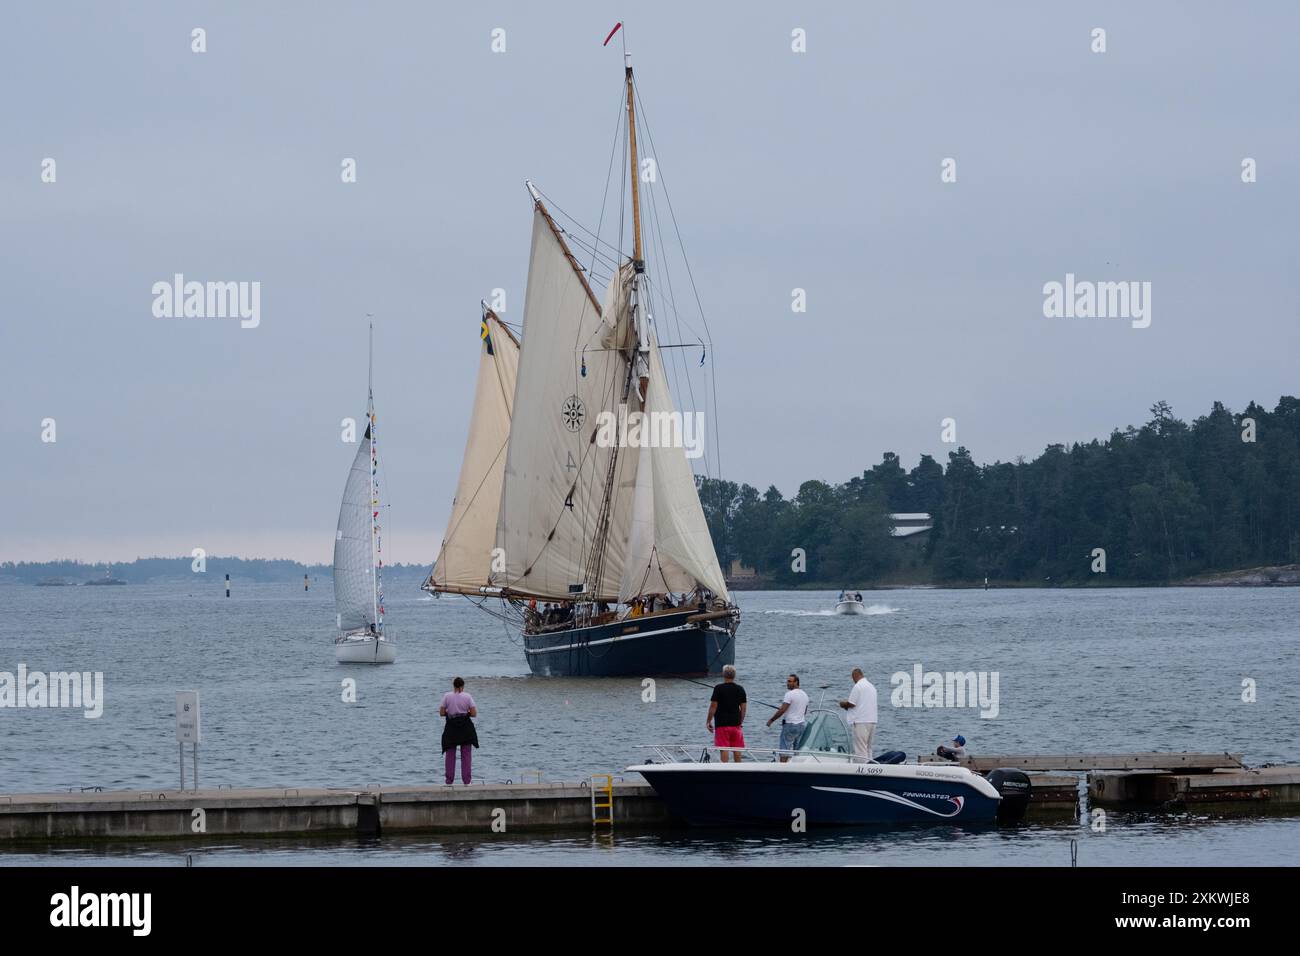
(576, 515)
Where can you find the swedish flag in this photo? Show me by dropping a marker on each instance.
(483, 334)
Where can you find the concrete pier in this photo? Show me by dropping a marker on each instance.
(124, 815)
(1150, 780)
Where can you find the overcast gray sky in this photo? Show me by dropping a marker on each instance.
(818, 170)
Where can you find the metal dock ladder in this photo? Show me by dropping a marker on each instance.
(602, 800)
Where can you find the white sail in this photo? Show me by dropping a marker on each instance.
(646, 571)
(681, 535)
(464, 562)
(354, 588)
(571, 368)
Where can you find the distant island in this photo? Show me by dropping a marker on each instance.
(154, 570)
(1214, 503)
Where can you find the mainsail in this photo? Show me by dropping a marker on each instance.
(566, 501)
(464, 561)
(354, 558)
(681, 533)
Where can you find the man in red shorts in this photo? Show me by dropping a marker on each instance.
(727, 710)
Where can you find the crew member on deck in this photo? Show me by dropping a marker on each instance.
(793, 711)
(728, 706)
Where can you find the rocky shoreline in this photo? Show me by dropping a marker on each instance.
(1282, 575)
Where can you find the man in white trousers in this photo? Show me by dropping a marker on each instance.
(861, 707)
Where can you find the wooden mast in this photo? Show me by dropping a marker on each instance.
(596, 561)
(638, 261)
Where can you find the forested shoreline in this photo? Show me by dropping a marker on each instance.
(1158, 503)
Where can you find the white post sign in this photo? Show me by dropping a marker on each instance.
(187, 716)
(187, 729)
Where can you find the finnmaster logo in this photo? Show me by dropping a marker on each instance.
(179, 299)
(1098, 300)
(37, 689)
(651, 430)
(103, 909)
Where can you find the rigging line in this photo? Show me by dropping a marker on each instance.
(699, 339)
(694, 288)
(662, 267)
(678, 362)
(711, 686)
(609, 174)
(672, 345)
(596, 257)
(672, 299)
(573, 220)
(671, 302)
(668, 199)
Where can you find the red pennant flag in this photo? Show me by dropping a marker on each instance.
(618, 26)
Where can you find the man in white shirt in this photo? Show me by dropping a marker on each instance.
(793, 712)
(861, 707)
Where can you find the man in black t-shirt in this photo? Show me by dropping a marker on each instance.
(727, 709)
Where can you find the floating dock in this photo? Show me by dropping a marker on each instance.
(1208, 781)
(1173, 781)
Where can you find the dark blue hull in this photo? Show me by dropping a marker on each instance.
(665, 644)
(727, 798)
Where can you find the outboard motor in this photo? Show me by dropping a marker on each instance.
(892, 756)
(1014, 786)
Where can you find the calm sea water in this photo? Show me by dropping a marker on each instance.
(1122, 670)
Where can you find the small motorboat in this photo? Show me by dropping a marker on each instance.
(831, 787)
(850, 602)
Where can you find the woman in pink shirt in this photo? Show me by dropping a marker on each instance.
(458, 707)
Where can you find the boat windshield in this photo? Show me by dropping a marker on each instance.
(825, 733)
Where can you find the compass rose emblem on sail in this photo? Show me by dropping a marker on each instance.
(573, 412)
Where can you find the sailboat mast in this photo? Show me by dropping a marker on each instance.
(638, 261)
(374, 485)
(600, 539)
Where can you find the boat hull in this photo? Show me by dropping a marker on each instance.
(850, 607)
(662, 644)
(364, 650)
(765, 794)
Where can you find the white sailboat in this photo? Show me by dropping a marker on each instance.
(358, 549)
(598, 549)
